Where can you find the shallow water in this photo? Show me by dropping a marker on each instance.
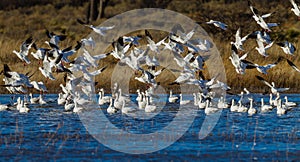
(49, 133)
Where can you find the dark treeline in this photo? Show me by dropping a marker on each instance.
(13, 4)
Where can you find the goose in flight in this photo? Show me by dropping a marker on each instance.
(46, 70)
(260, 19)
(14, 79)
(218, 24)
(239, 63)
(132, 39)
(287, 47)
(295, 8)
(262, 49)
(274, 89)
(24, 49)
(99, 29)
(92, 60)
(239, 41)
(182, 38)
(40, 86)
(263, 69)
(88, 42)
(40, 52)
(199, 45)
(55, 39)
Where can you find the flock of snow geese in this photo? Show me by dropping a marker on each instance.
(78, 88)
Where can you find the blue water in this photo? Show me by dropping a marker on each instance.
(49, 133)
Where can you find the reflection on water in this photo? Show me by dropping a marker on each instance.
(52, 134)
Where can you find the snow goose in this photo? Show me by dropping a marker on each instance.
(262, 49)
(127, 110)
(289, 103)
(221, 103)
(287, 47)
(33, 100)
(3, 107)
(54, 38)
(218, 24)
(88, 42)
(139, 95)
(103, 99)
(149, 108)
(99, 29)
(201, 102)
(46, 70)
(41, 100)
(263, 107)
(260, 19)
(23, 108)
(151, 44)
(24, 49)
(264, 68)
(142, 102)
(69, 105)
(40, 52)
(61, 99)
(209, 109)
(181, 37)
(172, 98)
(239, 41)
(111, 109)
(40, 86)
(280, 109)
(238, 62)
(132, 39)
(242, 108)
(274, 89)
(92, 60)
(251, 109)
(183, 102)
(233, 107)
(295, 8)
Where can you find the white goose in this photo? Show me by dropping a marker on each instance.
(33, 100)
(218, 24)
(242, 108)
(201, 103)
(209, 109)
(3, 107)
(24, 49)
(172, 98)
(233, 107)
(69, 105)
(99, 29)
(61, 99)
(103, 99)
(287, 47)
(280, 109)
(222, 104)
(265, 108)
(149, 108)
(41, 100)
(126, 110)
(274, 89)
(251, 110)
(111, 109)
(183, 102)
(23, 108)
(142, 103)
(289, 103)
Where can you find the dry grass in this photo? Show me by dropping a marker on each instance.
(18, 24)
